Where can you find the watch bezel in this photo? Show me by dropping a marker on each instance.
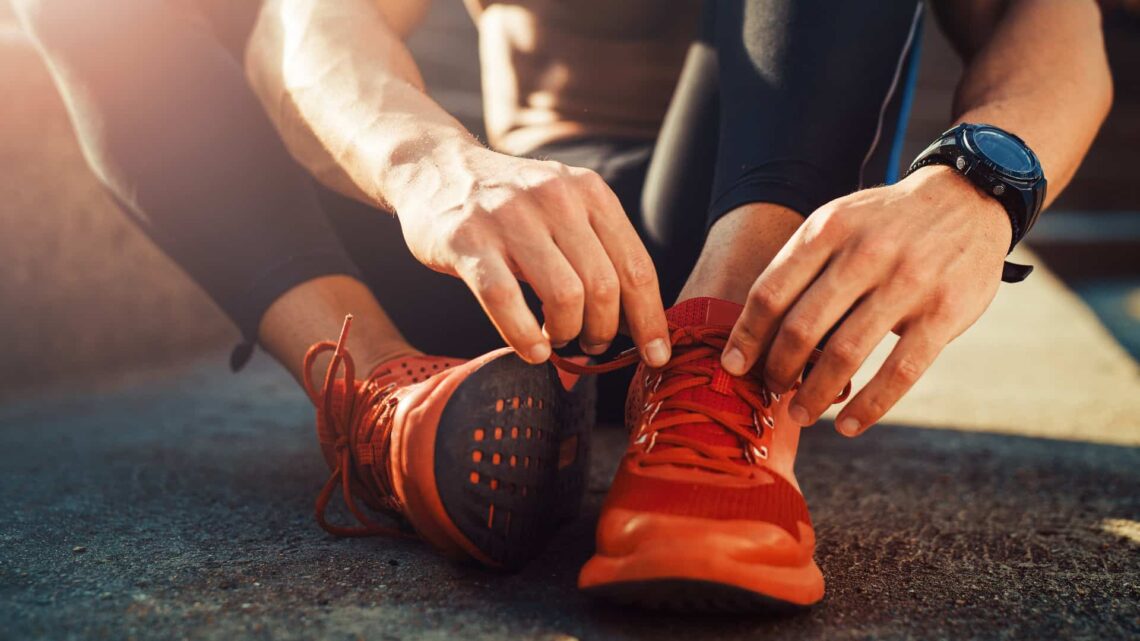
(966, 140)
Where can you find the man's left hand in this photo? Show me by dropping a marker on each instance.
(922, 257)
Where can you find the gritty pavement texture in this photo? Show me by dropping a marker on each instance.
(181, 508)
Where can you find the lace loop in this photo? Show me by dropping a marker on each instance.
(694, 364)
(360, 413)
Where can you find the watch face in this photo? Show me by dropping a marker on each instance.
(1007, 153)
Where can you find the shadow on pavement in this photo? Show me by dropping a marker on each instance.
(182, 508)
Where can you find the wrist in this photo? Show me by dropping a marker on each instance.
(420, 172)
(947, 190)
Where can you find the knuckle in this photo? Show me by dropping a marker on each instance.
(906, 372)
(846, 353)
(815, 233)
(942, 309)
(911, 272)
(568, 293)
(874, 408)
(639, 271)
(591, 181)
(798, 334)
(605, 288)
(552, 188)
(874, 249)
(830, 221)
(461, 235)
(765, 298)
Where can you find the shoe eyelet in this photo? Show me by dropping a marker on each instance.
(752, 453)
(652, 442)
(652, 410)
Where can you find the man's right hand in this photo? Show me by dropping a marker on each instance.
(493, 219)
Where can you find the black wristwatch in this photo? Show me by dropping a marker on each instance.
(1001, 165)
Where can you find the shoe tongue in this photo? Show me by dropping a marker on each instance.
(704, 311)
(718, 395)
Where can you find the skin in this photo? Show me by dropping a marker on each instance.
(350, 104)
(465, 210)
(923, 257)
(314, 311)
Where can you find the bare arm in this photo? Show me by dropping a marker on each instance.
(1036, 68)
(923, 257)
(344, 91)
(349, 101)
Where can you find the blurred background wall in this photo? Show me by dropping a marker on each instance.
(84, 297)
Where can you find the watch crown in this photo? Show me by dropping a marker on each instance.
(999, 190)
(960, 163)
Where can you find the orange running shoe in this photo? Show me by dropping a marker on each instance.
(482, 459)
(705, 511)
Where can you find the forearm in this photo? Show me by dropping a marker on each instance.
(347, 96)
(1042, 75)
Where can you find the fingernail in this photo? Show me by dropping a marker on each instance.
(799, 415)
(595, 348)
(733, 361)
(538, 353)
(657, 352)
(849, 427)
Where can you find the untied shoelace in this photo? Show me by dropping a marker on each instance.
(361, 413)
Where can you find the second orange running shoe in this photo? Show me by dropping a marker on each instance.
(482, 459)
(705, 511)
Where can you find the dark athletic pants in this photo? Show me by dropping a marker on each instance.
(793, 102)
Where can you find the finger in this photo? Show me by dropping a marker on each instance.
(804, 326)
(600, 282)
(795, 266)
(916, 350)
(845, 351)
(499, 293)
(542, 264)
(640, 292)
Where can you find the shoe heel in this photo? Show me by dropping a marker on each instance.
(511, 454)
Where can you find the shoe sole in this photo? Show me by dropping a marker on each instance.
(692, 574)
(690, 595)
(511, 457)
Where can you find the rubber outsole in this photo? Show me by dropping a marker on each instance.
(688, 595)
(511, 457)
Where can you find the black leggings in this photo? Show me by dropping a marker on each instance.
(793, 102)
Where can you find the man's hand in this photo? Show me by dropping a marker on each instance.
(922, 257)
(365, 127)
(492, 219)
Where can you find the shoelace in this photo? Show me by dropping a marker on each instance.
(686, 371)
(361, 414)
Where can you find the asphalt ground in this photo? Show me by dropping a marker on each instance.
(180, 507)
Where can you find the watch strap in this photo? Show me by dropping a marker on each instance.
(1015, 273)
(944, 151)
